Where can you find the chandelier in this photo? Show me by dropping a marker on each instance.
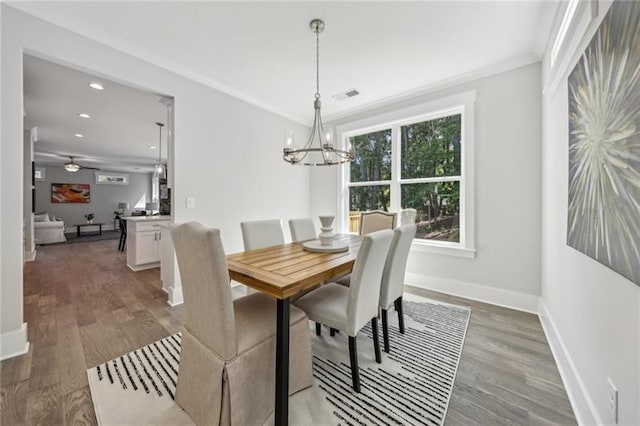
(320, 149)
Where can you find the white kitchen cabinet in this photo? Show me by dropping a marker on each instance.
(144, 241)
(147, 247)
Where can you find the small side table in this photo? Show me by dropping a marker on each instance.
(80, 225)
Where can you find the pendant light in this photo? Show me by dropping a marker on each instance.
(160, 170)
(320, 149)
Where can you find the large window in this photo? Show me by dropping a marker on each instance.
(415, 165)
(370, 175)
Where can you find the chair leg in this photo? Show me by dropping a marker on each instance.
(398, 304)
(376, 339)
(385, 330)
(318, 329)
(353, 356)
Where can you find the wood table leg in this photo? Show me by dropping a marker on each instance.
(282, 363)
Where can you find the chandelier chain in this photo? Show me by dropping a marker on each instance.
(317, 63)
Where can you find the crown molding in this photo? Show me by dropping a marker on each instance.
(439, 85)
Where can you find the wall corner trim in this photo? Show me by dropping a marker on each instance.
(14, 343)
(493, 295)
(30, 256)
(582, 404)
(175, 296)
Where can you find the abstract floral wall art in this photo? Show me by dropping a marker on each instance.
(70, 193)
(603, 219)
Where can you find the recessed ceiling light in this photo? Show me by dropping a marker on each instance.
(83, 115)
(153, 147)
(79, 135)
(96, 86)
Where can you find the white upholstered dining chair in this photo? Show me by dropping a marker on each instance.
(348, 309)
(408, 216)
(227, 359)
(376, 220)
(257, 234)
(302, 229)
(371, 221)
(392, 284)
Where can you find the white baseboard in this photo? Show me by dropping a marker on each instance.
(495, 296)
(175, 296)
(14, 343)
(30, 256)
(582, 404)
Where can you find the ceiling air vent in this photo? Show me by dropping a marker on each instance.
(346, 94)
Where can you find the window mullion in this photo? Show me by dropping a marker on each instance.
(432, 179)
(369, 183)
(395, 169)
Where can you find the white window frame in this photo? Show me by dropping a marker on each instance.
(567, 18)
(572, 23)
(43, 173)
(123, 176)
(462, 104)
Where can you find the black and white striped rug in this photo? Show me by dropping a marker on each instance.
(412, 386)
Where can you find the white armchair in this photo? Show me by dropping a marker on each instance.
(47, 230)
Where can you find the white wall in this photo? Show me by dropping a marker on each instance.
(227, 153)
(2, 291)
(13, 334)
(29, 246)
(104, 199)
(506, 269)
(591, 313)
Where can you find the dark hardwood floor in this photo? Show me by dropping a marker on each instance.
(83, 307)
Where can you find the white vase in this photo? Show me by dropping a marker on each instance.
(326, 236)
(89, 220)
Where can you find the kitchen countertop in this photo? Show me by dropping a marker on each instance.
(147, 218)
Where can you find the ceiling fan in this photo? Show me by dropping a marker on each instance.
(73, 167)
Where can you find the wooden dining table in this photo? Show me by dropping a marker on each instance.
(283, 271)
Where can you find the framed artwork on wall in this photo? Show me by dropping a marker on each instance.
(603, 218)
(70, 193)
